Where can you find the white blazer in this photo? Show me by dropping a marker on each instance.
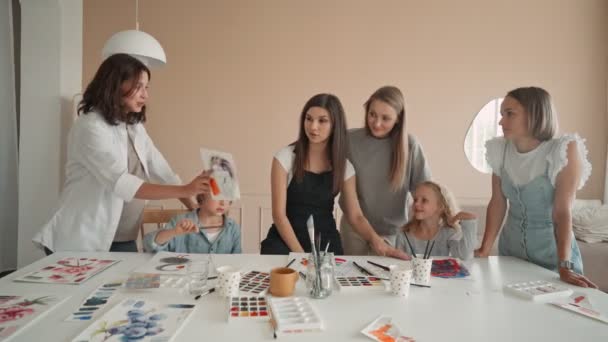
(98, 183)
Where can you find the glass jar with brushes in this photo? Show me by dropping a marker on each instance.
(320, 274)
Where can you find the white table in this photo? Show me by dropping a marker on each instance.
(452, 310)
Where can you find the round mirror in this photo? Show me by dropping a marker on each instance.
(484, 127)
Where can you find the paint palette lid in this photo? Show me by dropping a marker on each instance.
(538, 290)
(294, 315)
(247, 307)
(362, 283)
(173, 282)
(255, 282)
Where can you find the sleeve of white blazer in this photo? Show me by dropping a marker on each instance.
(160, 171)
(94, 148)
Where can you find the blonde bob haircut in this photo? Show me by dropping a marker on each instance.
(542, 117)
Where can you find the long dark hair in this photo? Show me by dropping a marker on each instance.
(105, 93)
(398, 135)
(337, 144)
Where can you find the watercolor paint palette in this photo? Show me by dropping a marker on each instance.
(360, 282)
(255, 282)
(72, 271)
(142, 281)
(247, 307)
(294, 315)
(138, 281)
(538, 290)
(95, 302)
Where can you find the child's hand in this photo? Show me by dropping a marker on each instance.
(185, 226)
(382, 248)
(463, 215)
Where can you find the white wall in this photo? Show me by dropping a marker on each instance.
(51, 73)
(8, 143)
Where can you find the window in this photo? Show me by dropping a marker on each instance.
(484, 127)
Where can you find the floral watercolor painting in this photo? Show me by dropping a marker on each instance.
(138, 319)
(68, 271)
(18, 311)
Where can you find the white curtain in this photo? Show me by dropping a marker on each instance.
(8, 142)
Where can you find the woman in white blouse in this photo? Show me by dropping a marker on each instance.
(538, 174)
(112, 166)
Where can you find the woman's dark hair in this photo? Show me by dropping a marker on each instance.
(337, 143)
(104, 94)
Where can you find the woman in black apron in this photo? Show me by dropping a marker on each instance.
(306, 177)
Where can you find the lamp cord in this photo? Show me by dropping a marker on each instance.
(137, 15)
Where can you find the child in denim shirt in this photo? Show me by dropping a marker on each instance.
(203, 230)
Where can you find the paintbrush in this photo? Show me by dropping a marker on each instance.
(426, 249)
(410, 244)
(430, 250)
(378, 265)
(310, 224)
(363, 269)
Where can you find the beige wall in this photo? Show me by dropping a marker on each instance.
(239, 72)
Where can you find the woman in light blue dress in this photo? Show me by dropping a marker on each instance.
(538, 174)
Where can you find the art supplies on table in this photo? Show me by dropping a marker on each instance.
(580, 304)
(138, 319)
(139, 281)
(301, 261)
(347, 267)
(72, 271)
(449, 268)
(95, 302)
(422, 270)
(170, 263)
(294, 315)
(382, 329)
(223, 180)
(246, 307)
(538, 290)
(173, 282)
(363, 283)
(255, 282)
(210, 291)
(143, 281)
(17, 312)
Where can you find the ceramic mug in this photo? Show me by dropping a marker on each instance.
(283, 281)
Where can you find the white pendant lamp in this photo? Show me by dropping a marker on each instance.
(136, 43)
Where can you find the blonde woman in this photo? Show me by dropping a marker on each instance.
(389, 162)
(538, 175)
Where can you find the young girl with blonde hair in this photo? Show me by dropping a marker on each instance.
(437, 223)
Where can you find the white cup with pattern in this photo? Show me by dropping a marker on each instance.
(400, 277)
(422, 270)
(228, 280)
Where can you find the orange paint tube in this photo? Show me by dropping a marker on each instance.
(215, 189)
